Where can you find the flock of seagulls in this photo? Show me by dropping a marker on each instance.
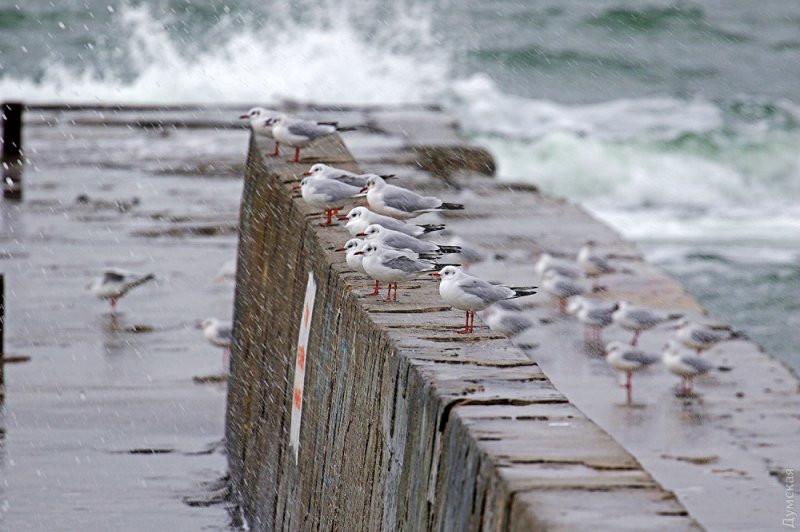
(388, 247)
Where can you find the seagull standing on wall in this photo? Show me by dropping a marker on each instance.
(398, 240)
(628, 360)
(337, 174)
(326, 194)
(299, 133)
(355, 259)
(391, 265)
(260, 119)
(399, 202)
(359, 218)
(115, 283)
(465, 292)
(639, 319)
(221, 335)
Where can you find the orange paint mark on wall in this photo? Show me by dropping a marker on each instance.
(301, 357)
(298, 398)
(306, 316)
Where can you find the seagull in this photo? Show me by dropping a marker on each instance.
(337, 174)
(115, 283)
(359, 218)
(595, 314)
(593, 263)
(701, 337)
(468, 293)
(562, 288)
(639, 319)
(562, 267)
(219, 334)
(398, 240)
(300, 133)
(260, 119)
(510, 322)
(628, 360)
(355, 259)
(685, 364)
(392, 265)
(327, 194)
(399, 202)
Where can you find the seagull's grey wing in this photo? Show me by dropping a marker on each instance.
(309, 129)
(569, 288)
(225, 332)
(406, 264)
(484, 291)
(407, 201)
(639, 357)
(643, 316)
(706, 336)
(516, 323)
(113, 277)
(349, 179)
(403, 241)
(334, 190)
(699, 365)
(600, 314)
(600, 263)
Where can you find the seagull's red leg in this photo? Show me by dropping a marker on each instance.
(629, 386)
(389, 292)
(465, 330)
(329, 215)
(113, 304)
(296, 156)
(635, 338)
(562, 305)
(376, 291)
(395, 291)
(471, 321)
(276, 153)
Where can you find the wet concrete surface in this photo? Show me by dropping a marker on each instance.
(104, 429)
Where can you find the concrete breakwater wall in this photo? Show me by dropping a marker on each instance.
(405, 425)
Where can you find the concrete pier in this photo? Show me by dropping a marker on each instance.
(407, 425)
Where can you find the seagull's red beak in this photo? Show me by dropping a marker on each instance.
(344, 217)
(358, 253)
(339, 249)
(306, 173)
(436, 274)
(361, 234)
(364, 189)
(296, 187)
(242, 117)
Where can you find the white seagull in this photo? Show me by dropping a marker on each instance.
(391, 265)
(639, 319)
(399, 202)
(594, 314)
(562, 267)
(628, 360)
(115, 283)
(337, 174)
(355, 259)
(219, 334)
(327, 194)
(299, 133)
(465, 292)
(510, 322)
(359, 218)
(562, 288)
(685, 364)
(701, 336)
(260, 119)
(592, 262)
(398, 240)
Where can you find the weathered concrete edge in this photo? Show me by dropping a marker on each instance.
(445, 447)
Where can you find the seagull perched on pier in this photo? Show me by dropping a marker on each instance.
(592, 262)
(299, 133)
(399, 202)
(685, 364)
(701, 337)
(594, 314)
(562, 267)
(639, 319)
(359, 218)
(465, 292)
(327, 194)
(508, 321)
(628, 360)
(391, 265)
(355, 258)
(562, 288)
(219, 334)
(260, 122)
(398, 240)
(115, 283)
(337, 174)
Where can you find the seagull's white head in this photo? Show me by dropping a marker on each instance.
(356, 213)
(353, 243)
(208, 322)
(318, 170)
(373, 231)
(575, 304)
(369, 248)
(614, 346)
(375, 181)
(449, 272)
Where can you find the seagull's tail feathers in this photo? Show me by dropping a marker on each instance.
(451, 206)
(140, 280)
(387, 176)
(430, 228)
(437, 266)
(450, 249)
(522, 291)
(674, 316)
(348, 128)
(334, 124)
